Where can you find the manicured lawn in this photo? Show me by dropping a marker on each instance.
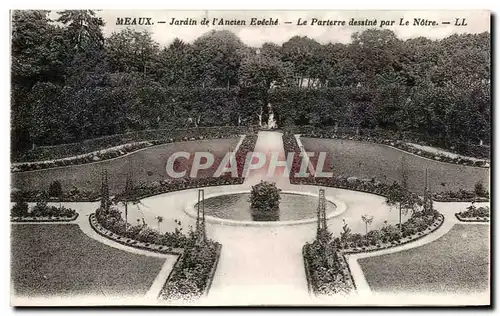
(146, 166)
(367, 160)
(60, 260)
(458, 262)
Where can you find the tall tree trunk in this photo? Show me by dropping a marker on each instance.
(400, 216)
(126, 215)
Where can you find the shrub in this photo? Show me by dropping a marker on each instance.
(480, 190)
(55, 189)
(265, 197)
(19, 209)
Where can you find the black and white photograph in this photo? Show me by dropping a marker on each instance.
(250, 158)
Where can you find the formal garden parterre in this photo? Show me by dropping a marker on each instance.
(408, 120)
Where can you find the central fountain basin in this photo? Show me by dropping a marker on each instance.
(234, 209)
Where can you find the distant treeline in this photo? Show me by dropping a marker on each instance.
(70, 83)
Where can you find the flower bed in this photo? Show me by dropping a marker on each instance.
(247, 145)
(112, 150)
(75, 195)
(150, 243)
(330, 274)
(193, 273)
(327, 271)
(140, 236)
(474, 214)
(389, 139)
(95, 156)
(41, 212)
(459, 196)
(415, 228)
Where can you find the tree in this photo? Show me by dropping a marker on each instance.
(83, 28)
(128, 195)
(400, 196)
(305, 54)
(105, 191)
(367, 219)
(132, 51)
(258, 73)
(159, 219)
(216, 58)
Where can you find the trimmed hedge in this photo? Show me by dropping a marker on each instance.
(41, 212)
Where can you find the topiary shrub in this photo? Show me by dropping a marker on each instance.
(55, 189)
(265, 200)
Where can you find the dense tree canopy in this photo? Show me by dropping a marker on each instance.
(69, 82)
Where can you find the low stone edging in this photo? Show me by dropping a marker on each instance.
(472, 219)
(190, 210)
(44, 219)
(98, 228)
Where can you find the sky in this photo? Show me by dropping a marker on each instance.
(164, 34)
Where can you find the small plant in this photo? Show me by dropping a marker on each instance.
(480, 190)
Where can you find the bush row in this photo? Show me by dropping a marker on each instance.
(96, 156)
(74, 195)
(116, 146)
(41, 212)
(327, 270)
(324, 259)
(193, 270)
(473, 213)
(460, 196)
(419, 224)
(247, 145)
(192, 274)
(395, 140)
(112, 220)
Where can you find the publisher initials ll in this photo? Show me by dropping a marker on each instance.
(459, 22)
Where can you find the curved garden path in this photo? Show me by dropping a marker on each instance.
(264, 265)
